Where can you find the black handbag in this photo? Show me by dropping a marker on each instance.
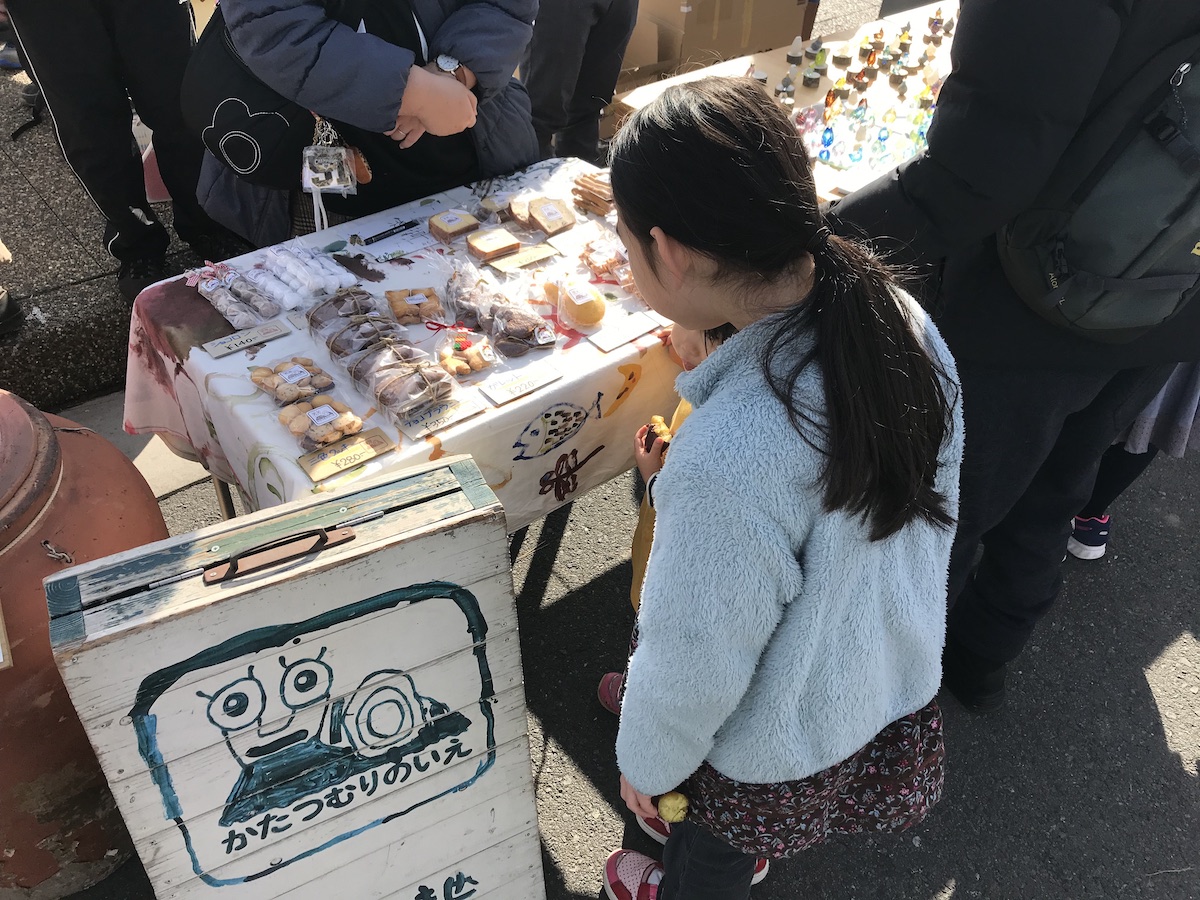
(248, 126)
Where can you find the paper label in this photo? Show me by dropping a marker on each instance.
(322, 415)
(294, 374)
(579, 295)
(551, 213)
(522, 258)
(488, 354)
(345, 454)
(243, 339)
(449, 219)
(506, 386)
(621, 331)
(544, 335)
(442, 414)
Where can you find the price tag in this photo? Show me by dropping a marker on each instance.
(242, 339)
(506, 386)
(450, 219)
(322, 415)
(621, 331)
(551, 213)
(442, 414)
(295, 373)
(347, 453)
(522, 258)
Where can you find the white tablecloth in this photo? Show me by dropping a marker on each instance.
(208, 409)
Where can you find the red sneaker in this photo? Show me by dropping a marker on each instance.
(609, 692)
(660, 831)
(629, 875)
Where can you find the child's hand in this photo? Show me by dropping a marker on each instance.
(639, 804)
(649, 462)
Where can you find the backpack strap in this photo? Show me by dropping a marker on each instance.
(1106, 134)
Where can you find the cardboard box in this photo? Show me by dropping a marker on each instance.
(702, 32)
(319, 700)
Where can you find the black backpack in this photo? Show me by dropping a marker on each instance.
(1111, 247)
(248, 126)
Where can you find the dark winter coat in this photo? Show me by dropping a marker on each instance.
(328, 67)
(1026, 74)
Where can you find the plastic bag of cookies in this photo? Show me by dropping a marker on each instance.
(319, 421)
(464, 353)
(291, 380)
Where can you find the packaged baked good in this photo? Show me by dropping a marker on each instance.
(247, 292)
(491, 244)
(319, 421)
(514, 328)
(345, 303)
(291, 380)
(603, 256)
(580, 305)
(463, 353)
(518, 207)
(366, 366)
(412, 306)
(403, 390)
(550, 216)
(593, 193)
(213, 289)
(346, 336)
(494, 207)
(452, 224)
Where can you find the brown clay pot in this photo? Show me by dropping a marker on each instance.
(67, 496)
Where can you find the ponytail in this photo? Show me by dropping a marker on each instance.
(719, 167)
(885, 415)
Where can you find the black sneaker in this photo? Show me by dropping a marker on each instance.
(11, 316)
(135, 275)
(975, 681)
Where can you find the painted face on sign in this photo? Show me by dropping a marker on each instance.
(259, 719)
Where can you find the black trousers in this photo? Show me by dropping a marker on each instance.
(91, 57)
(698, 865)
(1034, 440)
(571, 68)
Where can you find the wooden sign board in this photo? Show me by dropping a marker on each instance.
(316, 717)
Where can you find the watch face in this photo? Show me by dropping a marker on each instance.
(447, 63)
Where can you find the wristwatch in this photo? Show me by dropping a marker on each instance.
(448, 64)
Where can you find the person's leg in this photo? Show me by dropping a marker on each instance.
(697, 865)
(551, 68)
(1118, 470)
(580, 134)
(1034, 444)
(153, 42)
(70, 50)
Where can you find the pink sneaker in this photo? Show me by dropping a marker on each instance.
(660, 831)
(609, 692)
(629, 875)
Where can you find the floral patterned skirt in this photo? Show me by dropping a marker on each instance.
(889, 785)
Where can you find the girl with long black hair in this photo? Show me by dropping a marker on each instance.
(793, 610)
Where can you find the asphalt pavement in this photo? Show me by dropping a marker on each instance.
(1085, 786)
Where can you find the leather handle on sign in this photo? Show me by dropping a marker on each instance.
(280, 550)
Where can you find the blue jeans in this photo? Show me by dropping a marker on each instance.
(697, 865)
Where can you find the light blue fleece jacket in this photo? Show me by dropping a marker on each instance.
(776, 638)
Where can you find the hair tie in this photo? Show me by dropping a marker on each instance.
(818, 241)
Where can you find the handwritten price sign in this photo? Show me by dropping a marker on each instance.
(344, 454)
(506, 386)
(443, 414)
